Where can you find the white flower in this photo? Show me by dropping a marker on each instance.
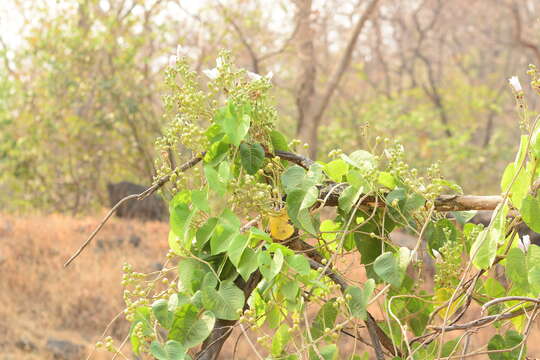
(254, 77)
(219, 62)
(524, 243)
(211, 73)
(438, 256)
(515, 84)
(172, 60)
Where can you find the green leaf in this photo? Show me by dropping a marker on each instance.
(269, 266)
(360, 298)
(298, 205)
(190, 327)
(278, 141)
(142, 315)
(439, 233)
(386, 179)
(519, 188)
(516, 267)
(236, 249)
(529, 211)
(361, 159)
(160, 308)
(248, 263)
(389, 269)
(280, 339)
(180, 217)
(200, 200)
(533, 278)
(511, 339)
(191, 272)
(204, 233)
(292, 178)
(329, 229)
(326, 317)
(235, 124)
(216, 153)
(289, 289)
(370, 248)
(225, 302)
(494, 288)
(348, 198)
(299, 263)
(251, 157)
(328, 352)
(214, 181)
(172, 350)
(336, 169)
(222, 238)
(484, 249)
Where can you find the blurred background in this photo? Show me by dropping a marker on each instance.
(81, 83)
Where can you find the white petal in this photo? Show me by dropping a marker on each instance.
(524, 243)
(437, 254)
(211, 73)
(270, 75)
(515, 84)
(253, 76)
(219, 62)
(172, 60)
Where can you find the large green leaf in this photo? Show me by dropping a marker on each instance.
(278, 141)
(328, 352)
(336, 169)
(391, 268)
(280, 340)
(204, 233)
(292, 178)
(251, 157)
(520, 185)
(214, 181)
(236, 249)
(530, 210)
(510, 340)
(269, 266)
(326, 317)
(225, 302)
(172, 350)
(299, 263)
(516, 268)
(190, 327)
(200, 200)
(190, 274)
(484, 249)
(348, 198)
(248, 263)
(181, 216)
(222, 237)
(235, 121)
(142, 316)
(298, 207)
(160, 308)
(361, 159)
(360, 298)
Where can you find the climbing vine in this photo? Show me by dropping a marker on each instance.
(260, 235)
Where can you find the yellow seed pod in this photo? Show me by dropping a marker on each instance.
(280, 229)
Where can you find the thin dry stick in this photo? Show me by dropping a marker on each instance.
(146, 193)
